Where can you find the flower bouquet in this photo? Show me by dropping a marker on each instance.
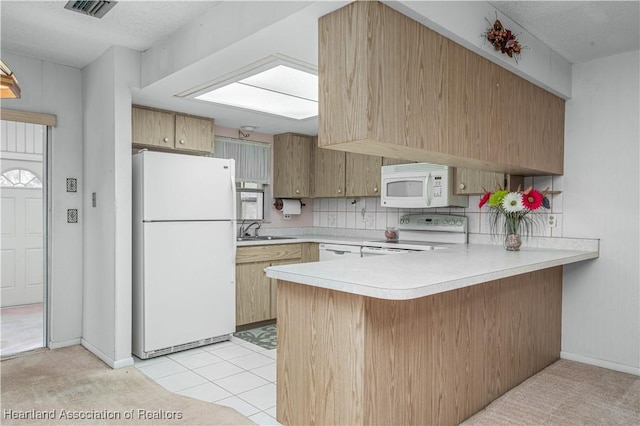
(513, 213)
(503, 40)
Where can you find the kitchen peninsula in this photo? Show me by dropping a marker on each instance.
(421, 338)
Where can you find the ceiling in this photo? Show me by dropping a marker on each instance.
(579, 31)
(251, 31)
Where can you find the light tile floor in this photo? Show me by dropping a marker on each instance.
(235, 373)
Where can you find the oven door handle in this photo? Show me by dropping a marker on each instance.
(336, 251)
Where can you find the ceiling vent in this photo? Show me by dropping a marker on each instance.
(96, 9)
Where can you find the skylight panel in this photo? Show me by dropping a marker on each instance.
(280, 91)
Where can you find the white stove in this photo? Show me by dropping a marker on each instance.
(419, 232)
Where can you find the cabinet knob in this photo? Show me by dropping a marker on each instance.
(181, 141)
(165, 140)
(339, 191)
(297, 191)
(375, 189)
(461, 186)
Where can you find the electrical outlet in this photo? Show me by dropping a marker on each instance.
(552, 221)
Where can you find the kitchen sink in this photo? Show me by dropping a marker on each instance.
(263, 238)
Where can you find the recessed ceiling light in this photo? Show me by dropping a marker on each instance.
(280, 90)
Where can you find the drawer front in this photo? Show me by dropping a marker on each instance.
(268, 252)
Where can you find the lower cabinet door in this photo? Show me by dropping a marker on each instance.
(253, 293)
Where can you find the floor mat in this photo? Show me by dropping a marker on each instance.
(265, 337)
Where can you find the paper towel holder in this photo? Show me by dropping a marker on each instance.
(278, 203)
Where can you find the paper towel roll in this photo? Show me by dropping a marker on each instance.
(291, 206)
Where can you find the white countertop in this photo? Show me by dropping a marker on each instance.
(419, 274)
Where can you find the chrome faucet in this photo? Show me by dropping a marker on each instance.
(244, 232)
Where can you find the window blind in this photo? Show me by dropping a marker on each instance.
(253, 159)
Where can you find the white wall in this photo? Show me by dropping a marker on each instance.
(107, 228)
(601, 300)
(56, 89)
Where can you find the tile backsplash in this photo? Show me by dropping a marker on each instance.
(366, 212)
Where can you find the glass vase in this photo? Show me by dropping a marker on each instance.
(512, 242)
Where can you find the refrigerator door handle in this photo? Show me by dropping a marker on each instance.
(234, 216)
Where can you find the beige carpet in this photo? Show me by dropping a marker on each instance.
(72, 382)
(567, 393)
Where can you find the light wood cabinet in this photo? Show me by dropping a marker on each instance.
(167, 130)
(328, 172)
(362, 175)
(292, 166)
(253, 293)
(428, 98)
(339, 174)
(310, 252)
(256, 298)
(152, 128)
(474, 182)
(194, 134)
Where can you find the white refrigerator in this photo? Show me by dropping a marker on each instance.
(184, 250)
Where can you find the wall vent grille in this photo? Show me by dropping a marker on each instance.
(96, 9)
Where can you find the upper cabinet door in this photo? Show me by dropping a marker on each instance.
(153, 128)
(167, 130)
(194, 134)
(292, 161)
(472, 181)
(329, 173)
(363, 175)
(472, 105)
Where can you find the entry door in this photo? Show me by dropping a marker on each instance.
(22, 246)
(21, 209)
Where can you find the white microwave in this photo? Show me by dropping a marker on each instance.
(419, 185)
